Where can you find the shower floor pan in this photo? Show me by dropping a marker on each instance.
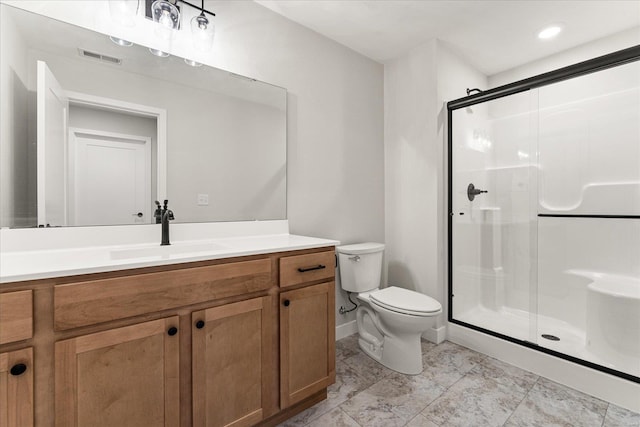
(572, 341)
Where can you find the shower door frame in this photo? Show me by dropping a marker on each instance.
(621, 57)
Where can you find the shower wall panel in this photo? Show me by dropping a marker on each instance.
(590, 144)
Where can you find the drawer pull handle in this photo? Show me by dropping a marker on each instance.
(18, 369)
(200, 324)
(172, 331)
(286, 303)
(317, 267)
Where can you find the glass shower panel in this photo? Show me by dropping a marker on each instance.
(494, 233)
(589, 218)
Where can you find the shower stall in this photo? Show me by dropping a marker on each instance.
(544, 213)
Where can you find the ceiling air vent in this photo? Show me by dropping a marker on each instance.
(100, 57)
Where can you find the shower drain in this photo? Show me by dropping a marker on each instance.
(550, 337)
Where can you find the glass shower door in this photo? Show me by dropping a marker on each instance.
(494, 221)
(589, 218)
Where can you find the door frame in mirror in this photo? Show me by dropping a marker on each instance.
(118, 106)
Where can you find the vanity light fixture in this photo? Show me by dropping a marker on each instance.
(167, 14)
(549, 32)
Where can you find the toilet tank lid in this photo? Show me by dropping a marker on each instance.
(360, 248)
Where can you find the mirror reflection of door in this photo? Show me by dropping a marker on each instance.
(94, 158)
(52, 119)
(110, 177)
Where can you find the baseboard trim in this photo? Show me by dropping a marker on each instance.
(346, 329)
(435, 335)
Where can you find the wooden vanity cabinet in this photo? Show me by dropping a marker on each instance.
(307, 342)
(121, 377)
(16, 388)
(232, 359)
(232, 342)
(16, 365)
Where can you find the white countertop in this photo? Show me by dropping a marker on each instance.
(39, 264)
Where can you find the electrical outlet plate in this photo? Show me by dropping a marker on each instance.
(203, 200)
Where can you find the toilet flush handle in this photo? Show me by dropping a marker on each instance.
(355, 258)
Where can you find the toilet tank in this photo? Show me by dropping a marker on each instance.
(360, 266)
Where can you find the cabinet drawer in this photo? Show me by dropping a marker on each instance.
(306, 268)
(16, 316)
(97, 301)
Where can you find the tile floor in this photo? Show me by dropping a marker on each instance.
(458, 387)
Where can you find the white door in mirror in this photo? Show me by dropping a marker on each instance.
(51, 159)
(111, 178)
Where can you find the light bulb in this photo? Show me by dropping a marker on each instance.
(202, 30)
(167, 16)
(165, 19)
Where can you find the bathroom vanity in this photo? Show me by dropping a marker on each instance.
(227, 341)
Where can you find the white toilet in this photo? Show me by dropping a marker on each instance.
(390, 320)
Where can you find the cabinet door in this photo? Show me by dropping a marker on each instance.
(231, 358)
(307, 342)
(16, 388)
(121, 377)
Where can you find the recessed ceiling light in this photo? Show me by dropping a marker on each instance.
(549, 32)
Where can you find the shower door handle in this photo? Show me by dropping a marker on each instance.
(472, 191)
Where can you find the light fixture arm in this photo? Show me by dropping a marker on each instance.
(201, 8)
(175, 2)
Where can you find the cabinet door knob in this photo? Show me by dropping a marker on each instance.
(286, 303)
(200, 324)
(172, 331)
(18, 369)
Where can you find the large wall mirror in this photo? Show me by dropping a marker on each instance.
(91, 133)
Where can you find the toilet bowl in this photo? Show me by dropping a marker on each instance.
(390, 320)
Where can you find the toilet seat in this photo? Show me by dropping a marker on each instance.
(405, 301)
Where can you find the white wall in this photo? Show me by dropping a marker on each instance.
(17, 201)
(335, 180)
(417, 86)
(411, 170)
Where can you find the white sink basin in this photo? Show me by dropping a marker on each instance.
(177, 249)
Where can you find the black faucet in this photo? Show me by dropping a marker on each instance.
(163, 216)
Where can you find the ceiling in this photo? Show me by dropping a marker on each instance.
(493, 36)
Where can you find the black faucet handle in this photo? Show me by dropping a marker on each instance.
(170, 215)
